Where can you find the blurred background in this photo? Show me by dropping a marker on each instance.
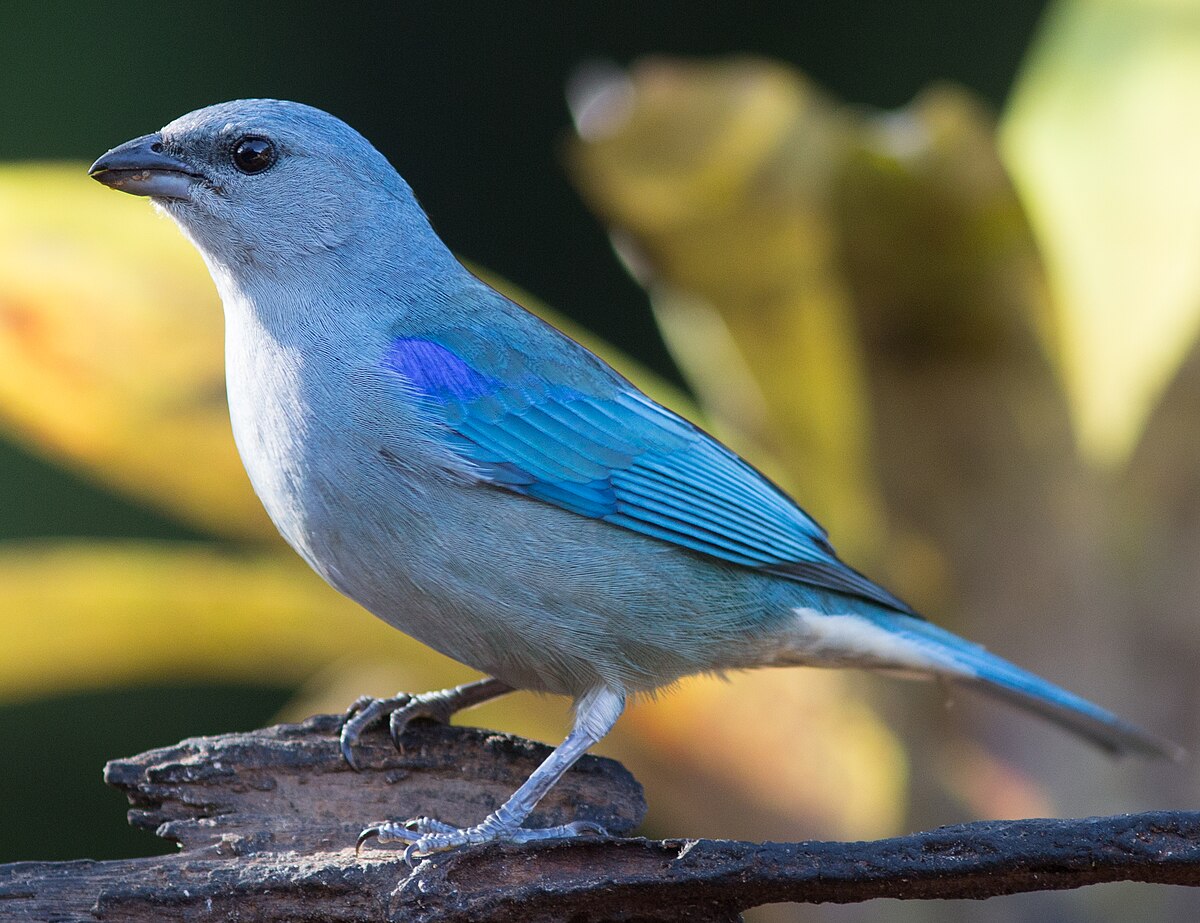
(933, 266)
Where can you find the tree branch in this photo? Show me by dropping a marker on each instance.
(267, 822)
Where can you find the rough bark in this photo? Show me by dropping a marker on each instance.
(267, 821)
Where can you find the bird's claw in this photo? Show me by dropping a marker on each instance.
(425, 835)
(369, 833)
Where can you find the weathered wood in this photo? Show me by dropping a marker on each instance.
(287, 787)
(267, 822)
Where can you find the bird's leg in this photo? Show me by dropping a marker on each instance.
(595, 714)
(403, 708)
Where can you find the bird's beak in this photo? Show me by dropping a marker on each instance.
(141, 167)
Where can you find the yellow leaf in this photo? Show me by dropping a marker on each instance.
(792, 753)
(1103, 136)
(76, 615)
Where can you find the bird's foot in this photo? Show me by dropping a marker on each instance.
(364, 712)
(595, 714)
(403, 708)
(436, 706)
(424, 835)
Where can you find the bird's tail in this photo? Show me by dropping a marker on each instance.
(920, 646)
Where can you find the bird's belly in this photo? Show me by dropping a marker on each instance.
(533, 595)
(536, 596)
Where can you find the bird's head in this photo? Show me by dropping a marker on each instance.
(266, 183)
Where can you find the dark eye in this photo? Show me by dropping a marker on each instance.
(253, 155)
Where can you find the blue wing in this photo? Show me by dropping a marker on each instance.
(620, 457)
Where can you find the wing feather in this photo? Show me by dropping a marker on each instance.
(622, 458)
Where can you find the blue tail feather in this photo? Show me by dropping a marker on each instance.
(972, 665)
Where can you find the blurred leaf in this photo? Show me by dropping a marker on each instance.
(790, 754)
(110, 347)
(1103, 136)
(79, 615)
(936, 248)
(950, 294)
(989, 787)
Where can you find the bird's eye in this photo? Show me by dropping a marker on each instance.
(253, 155)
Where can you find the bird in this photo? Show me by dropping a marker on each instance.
(484, 483)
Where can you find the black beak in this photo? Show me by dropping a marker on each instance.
(141, 167)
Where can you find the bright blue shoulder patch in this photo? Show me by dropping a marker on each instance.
(437, 372)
